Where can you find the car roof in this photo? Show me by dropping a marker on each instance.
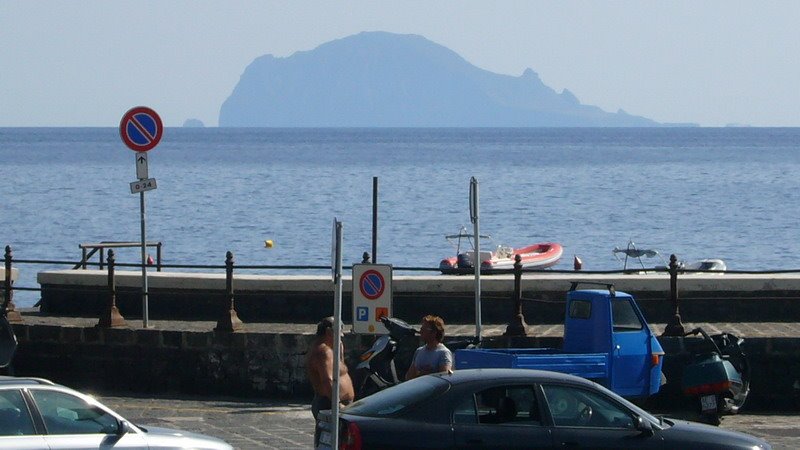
(28, 381)
(527, 375)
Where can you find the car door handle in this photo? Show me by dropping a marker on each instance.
(475, 441)
(570, 445)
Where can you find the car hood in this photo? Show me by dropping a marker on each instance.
(700, 432)
(158, 437)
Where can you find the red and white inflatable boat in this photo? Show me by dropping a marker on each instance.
(536, 256)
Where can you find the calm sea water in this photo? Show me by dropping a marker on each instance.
(727, 193)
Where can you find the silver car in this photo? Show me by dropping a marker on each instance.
(39, 414)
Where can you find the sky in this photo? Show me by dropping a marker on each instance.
(711, 62)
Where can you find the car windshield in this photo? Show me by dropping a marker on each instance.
(396, 398)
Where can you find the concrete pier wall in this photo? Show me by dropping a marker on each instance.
(304, 299)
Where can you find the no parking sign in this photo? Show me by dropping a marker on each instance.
(372, 297)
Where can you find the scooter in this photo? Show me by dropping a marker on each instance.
(377, 370)
(8, 340)
(718, 375)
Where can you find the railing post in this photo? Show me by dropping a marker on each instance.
(9, 309)
(83, 258)
(674, 327)
(158, 257)
(517, 326)
(230, 320)
(111, 318)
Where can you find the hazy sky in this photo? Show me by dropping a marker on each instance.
(84, 63)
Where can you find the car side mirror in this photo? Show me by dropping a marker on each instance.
(643, 425)
(124, 428)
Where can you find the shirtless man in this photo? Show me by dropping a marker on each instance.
(319, 368)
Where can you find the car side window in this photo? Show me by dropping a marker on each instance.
(15, 419)
(500, 405)
(464, 411)
(67, 414)
(576, 407)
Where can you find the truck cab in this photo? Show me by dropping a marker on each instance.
(606, 321)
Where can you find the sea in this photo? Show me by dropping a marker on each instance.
(728, 193)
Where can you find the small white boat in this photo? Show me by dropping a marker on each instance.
(704, 265)
(695, 267)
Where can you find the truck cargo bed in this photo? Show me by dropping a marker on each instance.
(587, 365)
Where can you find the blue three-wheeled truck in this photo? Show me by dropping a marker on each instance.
(606, 339)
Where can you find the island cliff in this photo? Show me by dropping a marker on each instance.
(379, 79)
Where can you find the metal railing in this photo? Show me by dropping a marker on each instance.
(89, 250)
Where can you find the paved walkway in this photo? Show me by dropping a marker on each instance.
(288, 425)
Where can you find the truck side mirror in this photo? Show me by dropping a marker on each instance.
(643, 425)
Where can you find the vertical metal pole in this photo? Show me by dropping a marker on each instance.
(7, 292)
(374, 220)
(474, 207)
(111, 317)
(145, 310)
(517, 326)
(674, 326)
(337, 337)
(9, 311)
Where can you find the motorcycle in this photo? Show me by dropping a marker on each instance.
(377, 369)
(718, 375)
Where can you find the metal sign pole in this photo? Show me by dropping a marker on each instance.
(374, 220)
(476, 260)
(145, 313)
(337, 335)
(141, 130)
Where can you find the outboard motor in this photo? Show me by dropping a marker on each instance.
(377, 368)
(718, 375)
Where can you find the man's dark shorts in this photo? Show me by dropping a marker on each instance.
(319, 403)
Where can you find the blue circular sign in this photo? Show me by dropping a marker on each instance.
(141, 129)
(371, 284)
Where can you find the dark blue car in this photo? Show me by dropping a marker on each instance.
(514, 409)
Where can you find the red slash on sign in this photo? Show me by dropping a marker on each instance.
(371, 284)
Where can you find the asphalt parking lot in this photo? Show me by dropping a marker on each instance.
(288, 425)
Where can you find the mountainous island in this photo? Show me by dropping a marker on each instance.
(380, 79)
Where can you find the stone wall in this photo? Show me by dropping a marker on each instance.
(159, 361)
(273, 365)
